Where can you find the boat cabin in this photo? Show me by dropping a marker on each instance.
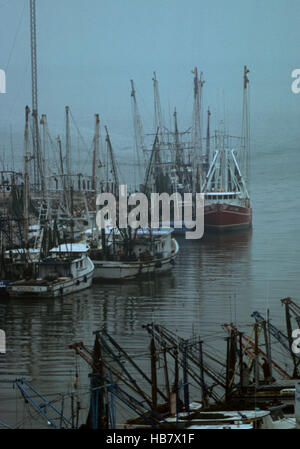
(148, 244)
(66, 260)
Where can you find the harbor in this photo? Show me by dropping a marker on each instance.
(123, 310)
(149, 256)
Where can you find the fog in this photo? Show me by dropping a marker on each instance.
(89, 51)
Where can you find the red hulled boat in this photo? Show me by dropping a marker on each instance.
(225, 215)
(227, 200)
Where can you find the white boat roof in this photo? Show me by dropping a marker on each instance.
(89, 230)
(34, 227)
(287, 390)
(155, 231)
(222, 193)
(250, 414)
(71, 248)
(22, 251)
(224, 416)
(195, 406)
(219, 426)
(140, 231)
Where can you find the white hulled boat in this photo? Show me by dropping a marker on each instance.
(152, 251)
(238, 419)
(67, 270)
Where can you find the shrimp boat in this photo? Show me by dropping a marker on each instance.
(238, 419)
(227, 200)
(150, 251)
(67, 270)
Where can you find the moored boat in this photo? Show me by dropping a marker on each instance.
(225, 211)
(67, 270)
(237, 419)
(153, 251)
(227, 199)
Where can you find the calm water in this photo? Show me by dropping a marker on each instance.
(215, 280)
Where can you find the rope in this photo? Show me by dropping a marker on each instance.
(16, 35)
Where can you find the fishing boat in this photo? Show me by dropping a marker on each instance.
(227, 202)
(150, 251)
(227, 199)
(179, 163)
(236, 419)
(67, 270)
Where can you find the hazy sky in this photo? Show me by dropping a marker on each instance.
(89, 50)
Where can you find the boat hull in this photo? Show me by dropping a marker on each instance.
(222, 217)
(115, 270)
(62, 287)
(3, 288)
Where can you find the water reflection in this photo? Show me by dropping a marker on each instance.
(211, 283)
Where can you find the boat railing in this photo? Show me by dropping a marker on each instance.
(222, 195)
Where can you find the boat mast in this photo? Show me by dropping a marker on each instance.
(113, 162)
(96, 152)
(37, 162)
(62, 172)
(27, 159)
(12, 148)
(158, 124)
(196, 131)
(158, 120)
(151, 164)
(207, 156)
(68, 152)
(138, 132)
(245, 127)
(43, 122)
(178, 157)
